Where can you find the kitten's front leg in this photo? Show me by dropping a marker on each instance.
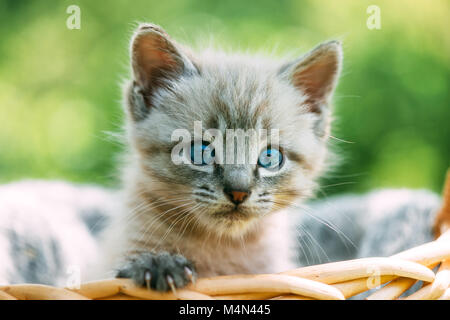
(160, 271)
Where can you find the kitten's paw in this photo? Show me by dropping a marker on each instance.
(159, 271)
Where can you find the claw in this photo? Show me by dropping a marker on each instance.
(171, 284)
(189, 274)
(147, 278)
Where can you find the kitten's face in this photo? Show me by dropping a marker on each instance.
(171, 92)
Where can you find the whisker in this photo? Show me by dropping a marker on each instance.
(173, 224)
(341, 140)
(191, 216)
(324, 222)
(302, 246)
(156, 220)
(317, 244)
(338, 184)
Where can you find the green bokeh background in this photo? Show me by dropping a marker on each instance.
(60, 88)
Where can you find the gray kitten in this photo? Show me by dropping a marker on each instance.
(170, 223)
(216, 219)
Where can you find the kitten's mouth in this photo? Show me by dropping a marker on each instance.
(236, 213)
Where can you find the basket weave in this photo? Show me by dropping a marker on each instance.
(338, 280)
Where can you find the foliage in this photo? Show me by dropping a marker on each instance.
(60, 88)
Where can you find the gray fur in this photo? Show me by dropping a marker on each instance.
(170, 216)
(378, 224)
(96, 219)
(47, 227)
(159, 265)
(172, 88)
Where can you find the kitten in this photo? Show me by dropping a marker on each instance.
(49, 230)
(170, 221)
(182, 221)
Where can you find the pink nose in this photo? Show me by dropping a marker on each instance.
(237, 197)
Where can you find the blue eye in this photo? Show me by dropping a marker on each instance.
(201, 153)
(270, 159)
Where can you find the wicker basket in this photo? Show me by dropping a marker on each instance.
(337, 281)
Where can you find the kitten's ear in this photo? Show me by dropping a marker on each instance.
(315, 74)
(155, 58)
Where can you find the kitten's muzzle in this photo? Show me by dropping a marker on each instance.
(236, 196)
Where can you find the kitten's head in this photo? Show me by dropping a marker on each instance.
(172, 88)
